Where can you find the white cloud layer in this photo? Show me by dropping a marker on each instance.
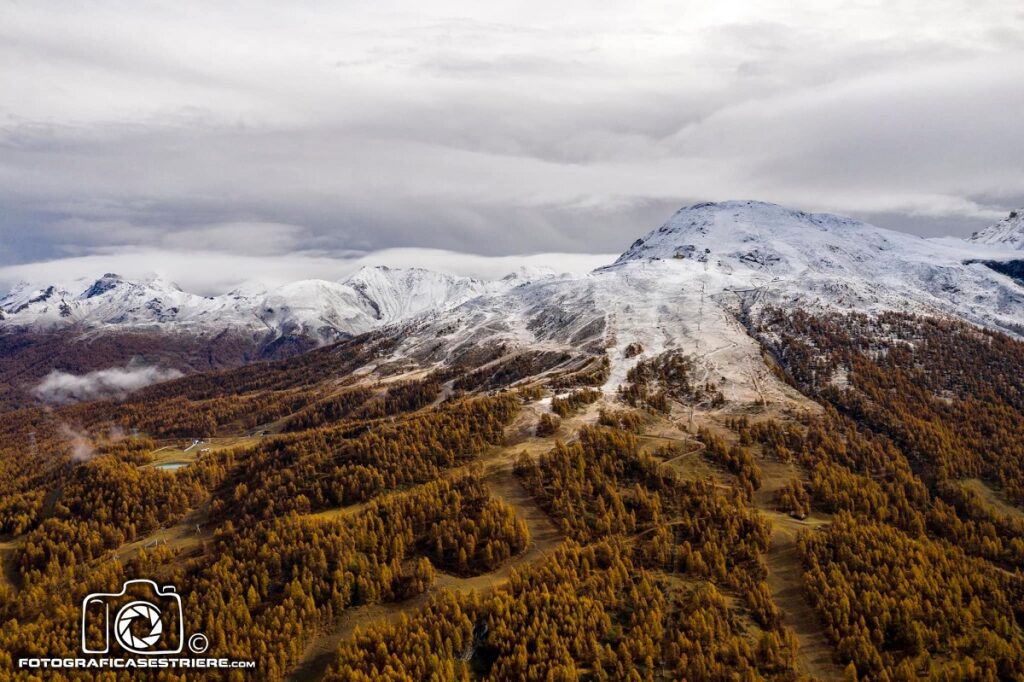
(493, 128)
(61, 387)
(213, 272)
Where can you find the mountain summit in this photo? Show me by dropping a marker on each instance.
(1007, 232)
(762, 237)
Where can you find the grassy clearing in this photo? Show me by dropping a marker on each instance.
(993, 498)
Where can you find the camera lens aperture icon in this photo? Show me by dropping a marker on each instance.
(138, 626)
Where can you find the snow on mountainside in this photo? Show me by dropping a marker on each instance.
(681, 287)
(395, 294)
(1008, 232)
(685, 286)
(314, 308)
(793, 257)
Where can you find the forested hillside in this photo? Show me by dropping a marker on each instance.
(341, 515)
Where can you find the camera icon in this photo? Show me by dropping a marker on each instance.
(145, 618)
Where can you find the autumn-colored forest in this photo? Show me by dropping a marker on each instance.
(501, 517)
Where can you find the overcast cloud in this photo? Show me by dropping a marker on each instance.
(330, 130)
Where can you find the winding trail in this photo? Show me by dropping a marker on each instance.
(786, 582)
(498, 475)
(786, 572)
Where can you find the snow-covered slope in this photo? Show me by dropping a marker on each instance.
(679, 287)
(659, 305)
(318, 309)
(793, 257)
(1008, 232)
(683, 286)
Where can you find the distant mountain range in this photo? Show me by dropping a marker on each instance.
(317, 309)
(683, 285)
(740, 243)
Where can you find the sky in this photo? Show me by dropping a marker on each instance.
(268, 135)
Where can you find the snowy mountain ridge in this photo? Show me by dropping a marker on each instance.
(690, 285)
(797, 258)
(739, 250)
(320, 309)
(1008, 232)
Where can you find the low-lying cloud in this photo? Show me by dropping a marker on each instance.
(211, 273)
(82, 449)
(61, 387)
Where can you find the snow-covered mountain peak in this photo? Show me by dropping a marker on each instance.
(398, 293)
(800, 258)
(372, 277)
(1008, 232)
(761, 236)
(103, 285)
(532, 273)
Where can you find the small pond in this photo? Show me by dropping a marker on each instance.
(171, 466)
